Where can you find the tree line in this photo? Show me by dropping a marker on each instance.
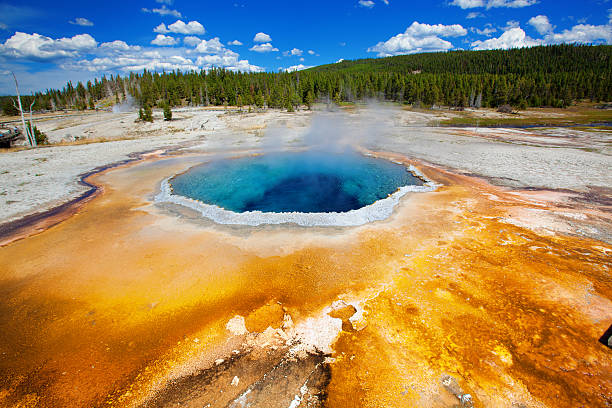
(546, 76)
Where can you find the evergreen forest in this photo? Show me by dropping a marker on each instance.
(545, 76)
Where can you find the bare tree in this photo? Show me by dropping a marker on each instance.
(25, 129)
(32, 134)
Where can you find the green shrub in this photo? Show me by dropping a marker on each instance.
(41, 138)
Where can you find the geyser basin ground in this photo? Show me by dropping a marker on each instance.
(307, 188)
(123, 302)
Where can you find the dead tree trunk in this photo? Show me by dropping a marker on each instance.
(25, 129)
(32, 134)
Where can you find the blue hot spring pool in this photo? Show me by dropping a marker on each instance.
(310, 182)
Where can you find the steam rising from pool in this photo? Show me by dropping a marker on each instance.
(329, 184)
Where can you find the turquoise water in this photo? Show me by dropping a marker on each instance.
(310, 182)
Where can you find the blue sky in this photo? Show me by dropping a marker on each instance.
(48, 45)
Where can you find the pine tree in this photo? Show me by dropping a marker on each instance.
(167, 112)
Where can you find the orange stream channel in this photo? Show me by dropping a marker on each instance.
(98, 309)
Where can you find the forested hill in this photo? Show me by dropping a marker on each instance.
(547, 59)
(554, 76)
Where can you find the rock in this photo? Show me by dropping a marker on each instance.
(271, 337)
(235, 381)
(219, 361)
(236, 326)
(270, 314)
(343, 311)
(451, 385)
(287, 322)
(466, 401)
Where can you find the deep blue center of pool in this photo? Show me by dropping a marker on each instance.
(294, 182)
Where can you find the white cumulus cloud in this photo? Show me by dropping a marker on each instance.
(541, 24)
(467, 4)
(262, 38)
(36, 46)
(266, 47)
(164, 40)
(366, 3)
(293, 52)
(294, 68)
(512, 38)
(212, 46)
(191, 40)
(162, 29)
(235, 42)
(419, 38)
(118, 45)
(582, 33)
(192, 27)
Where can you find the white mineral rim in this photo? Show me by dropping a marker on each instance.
(377, 211)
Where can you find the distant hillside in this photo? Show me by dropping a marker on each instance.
(522, 61)
(554, 76)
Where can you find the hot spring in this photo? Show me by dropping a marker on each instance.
(308, 188)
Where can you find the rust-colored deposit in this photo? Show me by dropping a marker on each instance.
(461, 306)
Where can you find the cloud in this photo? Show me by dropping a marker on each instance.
(168, 2)
(3, 26)
(212, 46)
(262, 38)
(582, 33)
(192, 27)
(311, 52)
(191, 40)
(366, 3)
(166, 58)
(164, 11)
(541, 24)
(512, 38)
(179, 27)
(511, 24)
(293, 52)
(419, 38)
(474, 14)
(294, 68)
(235, 42)
(81, 22)
(468, 4)
(487, 31)
(164, 40)
(118, 45)
(82, 53)
(267, 47)
(217, 55)
(162, 29)
(510, 3)
(38, 47)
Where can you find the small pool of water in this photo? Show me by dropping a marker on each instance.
(310, 182)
